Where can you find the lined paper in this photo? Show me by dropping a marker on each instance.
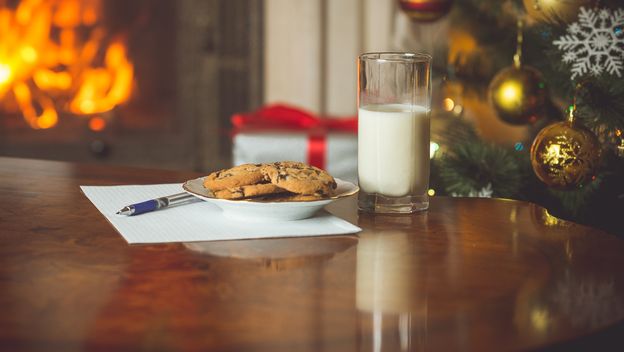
(198, 221)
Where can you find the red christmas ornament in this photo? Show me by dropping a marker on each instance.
(425, 10)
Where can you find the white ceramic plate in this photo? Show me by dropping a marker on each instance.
(250, 210)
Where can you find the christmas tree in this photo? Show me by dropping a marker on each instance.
(554, 67)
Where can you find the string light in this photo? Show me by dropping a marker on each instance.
(448, 104)
(458, 109)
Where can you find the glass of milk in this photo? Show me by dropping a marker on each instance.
(394, 101)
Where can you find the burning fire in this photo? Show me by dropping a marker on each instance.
(56, 56)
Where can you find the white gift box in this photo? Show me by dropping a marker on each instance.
(340, 149)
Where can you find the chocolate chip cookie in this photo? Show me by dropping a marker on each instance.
(248, 191)
(300, 178)
(241, 175)
(288, 197)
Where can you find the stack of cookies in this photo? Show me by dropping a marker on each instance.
(278, 181)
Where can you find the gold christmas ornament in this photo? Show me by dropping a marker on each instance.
(425, 10)
(518, 94)
(555, 11)
(565, 155)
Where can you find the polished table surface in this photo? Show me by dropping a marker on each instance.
(469, 274)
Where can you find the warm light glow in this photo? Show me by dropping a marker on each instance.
(448, 104)
(461, 43)
(431, 192)
(68, 14)
(49, 80)
(552, 154)
(89, 17)
(509, 95)
(433, 148)
(5, 74)
(540, 319)
(509, 91)
(104, 88)
(550, 220)
(29, 54)
(513, 215)
(58, 46)
(97, 124)
(87, 107)
(67, 55)
(47, 119)
(458, 109)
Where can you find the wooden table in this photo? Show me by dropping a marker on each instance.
(469, 274)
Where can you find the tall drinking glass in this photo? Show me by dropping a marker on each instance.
(394, 101)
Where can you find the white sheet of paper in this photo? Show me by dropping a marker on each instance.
(198, 221)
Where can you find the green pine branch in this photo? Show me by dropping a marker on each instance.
(601, 103)
(470, 165)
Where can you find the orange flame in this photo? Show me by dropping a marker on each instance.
(45, 73)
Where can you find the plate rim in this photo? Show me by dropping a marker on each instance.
(355, 190)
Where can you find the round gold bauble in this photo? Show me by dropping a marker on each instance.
(555, 11)
(425, 10)
(518, 94)
(565, 155)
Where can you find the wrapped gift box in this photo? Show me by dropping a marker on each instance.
(280, 132)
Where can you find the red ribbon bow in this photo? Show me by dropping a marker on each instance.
(289, 118)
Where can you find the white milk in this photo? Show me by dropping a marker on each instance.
(393, 149)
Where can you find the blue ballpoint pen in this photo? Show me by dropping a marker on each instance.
(155, 204)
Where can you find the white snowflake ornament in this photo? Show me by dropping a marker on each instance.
(595, 43)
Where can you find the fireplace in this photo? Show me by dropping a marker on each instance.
(147, 82)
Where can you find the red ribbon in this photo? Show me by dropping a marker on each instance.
(317, 150)
(290, 118)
